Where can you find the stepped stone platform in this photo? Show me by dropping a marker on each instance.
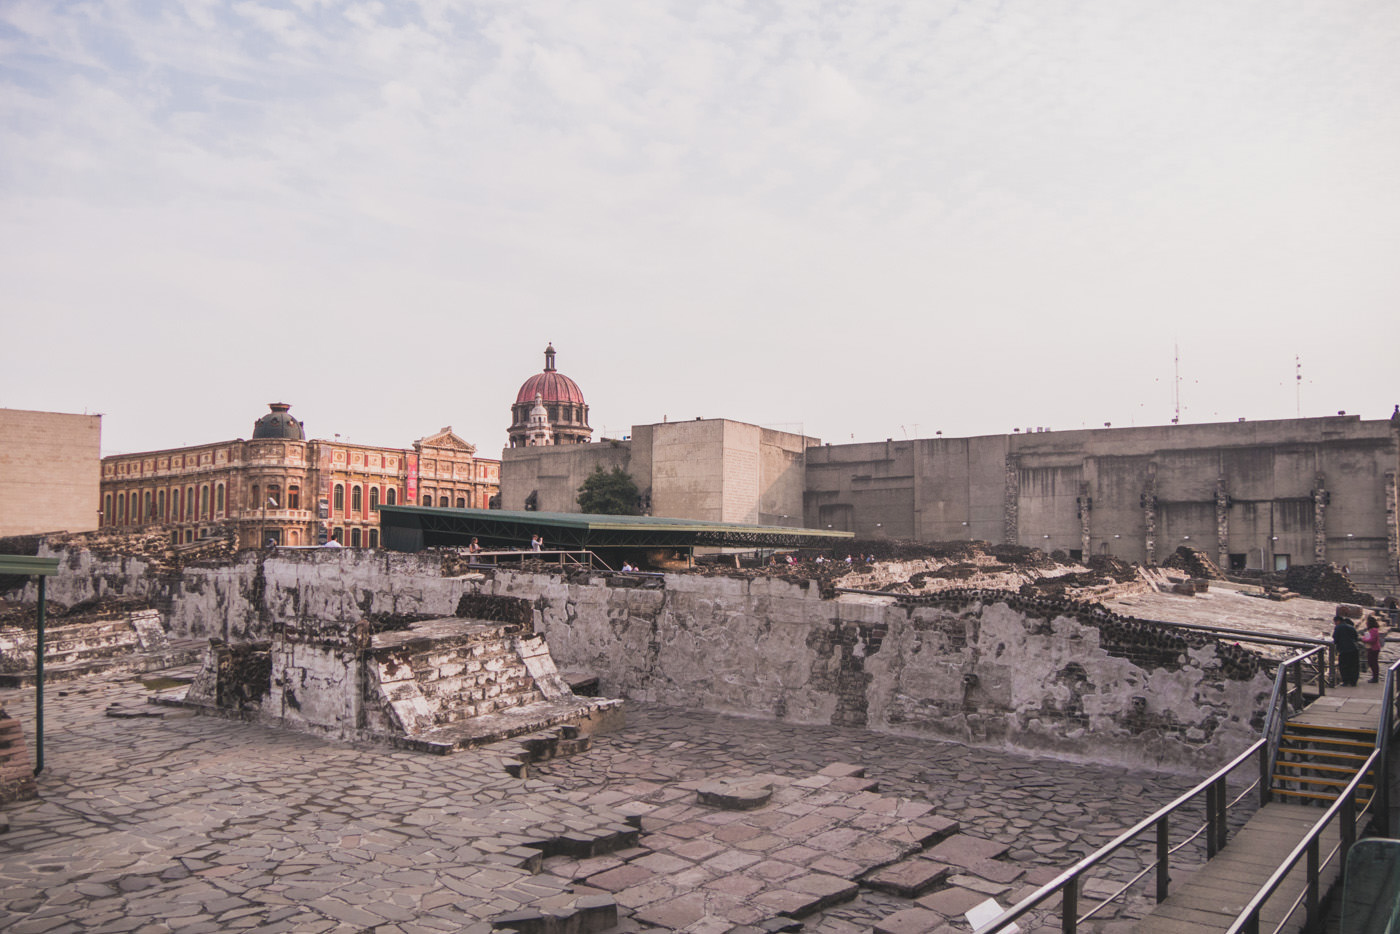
(130, 643)
(436, 686)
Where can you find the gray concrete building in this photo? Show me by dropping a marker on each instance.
(1249, 494)
(49, 471)
(712, 469)
(1252, 495)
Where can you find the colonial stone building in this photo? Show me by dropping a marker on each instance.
(557, 404)
(278, 487)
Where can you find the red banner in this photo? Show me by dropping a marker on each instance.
(412, 496)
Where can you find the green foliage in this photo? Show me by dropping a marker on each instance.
(609, 493)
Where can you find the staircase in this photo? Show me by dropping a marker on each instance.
(134, 642)
(1316, 762)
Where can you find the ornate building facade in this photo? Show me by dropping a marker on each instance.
(279, 488)
(560, 402)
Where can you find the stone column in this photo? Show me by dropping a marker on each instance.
(1222, 525)
(1149, 514)
(1392, 526)
(1011, 504)
(1086, 507)
(1320, 497)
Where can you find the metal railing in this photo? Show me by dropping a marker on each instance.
(1352, 820)
(1289, 682)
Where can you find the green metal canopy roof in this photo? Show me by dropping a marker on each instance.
(28, 565)
(413, 528)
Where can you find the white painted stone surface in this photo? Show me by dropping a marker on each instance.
(766, 647)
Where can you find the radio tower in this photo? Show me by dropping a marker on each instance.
(1176, 383)
(1298, 381)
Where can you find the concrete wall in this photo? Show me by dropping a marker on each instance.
(993, 669)
(555, 472)
(1303, 491)
(711, 469)
(50, 472)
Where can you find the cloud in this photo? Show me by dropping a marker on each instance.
(737, 186)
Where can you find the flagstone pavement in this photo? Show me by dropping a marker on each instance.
(190, 824)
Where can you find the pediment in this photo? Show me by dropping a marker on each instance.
(447, 439)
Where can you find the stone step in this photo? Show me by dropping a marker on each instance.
(563, 914)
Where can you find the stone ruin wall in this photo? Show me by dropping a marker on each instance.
(1038, 675)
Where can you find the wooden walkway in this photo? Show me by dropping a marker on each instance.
(1211, 897)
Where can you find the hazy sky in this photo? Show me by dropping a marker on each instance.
(860, 219)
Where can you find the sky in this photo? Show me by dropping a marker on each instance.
(860, 220)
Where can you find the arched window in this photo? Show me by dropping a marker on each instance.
(354, 538)
(461, 503)
(204, 501)
(339, 499)
(356, 500)
(392, 497)
(374, 538)
(293, 497)
(254, 497)
(274, 496)
(107, 517)
(219, 500)
(145, 506)
(160, 509)
(189, 503)
(121, 508)
(175, 505)
(373, 498)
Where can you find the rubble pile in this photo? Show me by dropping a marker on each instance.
(1194, 562)
(15, 615)
(155, 543)
(1325, 582)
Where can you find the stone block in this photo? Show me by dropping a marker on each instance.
(952, 901)
(964, 850)
(734, 794)
(907, 879)
(911, 921)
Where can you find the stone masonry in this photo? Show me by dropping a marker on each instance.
(975, 666)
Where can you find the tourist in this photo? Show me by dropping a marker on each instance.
(474, 548)
(331, 542)
(627, 567)
(1373, 639)
(1348, 651)
(537, 543)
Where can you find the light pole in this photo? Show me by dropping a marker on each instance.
(262, 523)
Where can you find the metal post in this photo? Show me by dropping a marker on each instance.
(1298, 682)
(39, 684)
(1348, 829)
(1211, 817)
(1069, 906)
(1163, 855)
(1314, 884)
(1222, 822)
(1266, 780)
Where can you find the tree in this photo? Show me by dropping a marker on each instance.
(609, 494)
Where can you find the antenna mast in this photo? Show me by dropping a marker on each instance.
(1176, 382)
(1298, 380)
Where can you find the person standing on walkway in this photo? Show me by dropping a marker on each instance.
(1348, 651)
(1372, 639)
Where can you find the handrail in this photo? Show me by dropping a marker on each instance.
(1345, 805)
(1278, 705)
(1071, 875)
(1215, 827)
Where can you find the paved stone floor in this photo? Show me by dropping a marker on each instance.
(199, 824)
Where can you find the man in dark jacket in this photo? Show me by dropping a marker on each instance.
(1348, 651)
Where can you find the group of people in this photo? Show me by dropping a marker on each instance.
(1349, 644)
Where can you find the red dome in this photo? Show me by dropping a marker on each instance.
(552, 386)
